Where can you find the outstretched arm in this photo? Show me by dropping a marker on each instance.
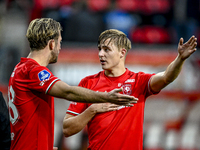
(162, 79)
(74, 124)
(79, 94)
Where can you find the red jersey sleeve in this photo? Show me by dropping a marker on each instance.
(144, 83)
(76, 108)
(41, 79)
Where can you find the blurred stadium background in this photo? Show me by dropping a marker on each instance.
(172, 118)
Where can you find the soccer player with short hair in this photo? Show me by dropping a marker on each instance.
(32, 87)
(112, 127)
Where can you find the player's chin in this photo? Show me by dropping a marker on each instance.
(53, 61)
(104, 68)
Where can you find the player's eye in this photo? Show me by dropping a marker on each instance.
(106, 49)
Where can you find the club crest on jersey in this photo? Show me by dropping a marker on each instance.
(127, 89)
(43, 75)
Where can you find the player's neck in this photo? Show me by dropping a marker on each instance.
(40, 57)
(115, 72)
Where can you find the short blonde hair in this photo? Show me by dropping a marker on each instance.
(117, 37)
(40, 31)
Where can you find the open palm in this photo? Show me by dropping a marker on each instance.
(187, 48)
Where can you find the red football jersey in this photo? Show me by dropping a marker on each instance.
(121, 129)
(31, 109)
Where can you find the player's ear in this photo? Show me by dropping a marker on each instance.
(123, 52)
(51, 44)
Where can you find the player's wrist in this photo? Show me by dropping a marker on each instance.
(105, 97)
(92, 110)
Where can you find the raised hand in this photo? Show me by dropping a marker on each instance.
(187, 48)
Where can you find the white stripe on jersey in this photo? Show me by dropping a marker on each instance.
(72, 112)
(50, 85)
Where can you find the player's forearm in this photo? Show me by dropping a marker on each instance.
(75, 124)
(162, 79)
(77, 94)
(173, 70)
(80, 94)
(71, 126)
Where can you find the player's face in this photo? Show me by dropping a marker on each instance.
(56, 50)
(109, 55)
